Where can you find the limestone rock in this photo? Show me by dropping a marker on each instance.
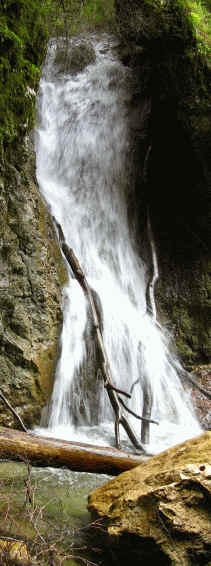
(161, 509)
(31, 277)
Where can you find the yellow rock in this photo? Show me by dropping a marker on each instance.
(14, 550)
(161, 509)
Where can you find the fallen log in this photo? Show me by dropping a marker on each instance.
(41, 451)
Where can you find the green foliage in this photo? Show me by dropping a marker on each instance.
(198, 17)
(73, 16)
(201, 21)
(23, 34)
(188, 20)
(98, 12)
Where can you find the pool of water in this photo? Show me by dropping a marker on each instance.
(47, 509)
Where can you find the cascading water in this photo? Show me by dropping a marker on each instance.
(83, 169)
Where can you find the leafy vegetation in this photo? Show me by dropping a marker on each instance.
(71, 16)
(23, 34)
(200, 18)
(100, 12)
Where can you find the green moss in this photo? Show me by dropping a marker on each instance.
(201, 22)
(98, 12)
(23, 35)
(76, 60)
(73, 16)
(193, 14)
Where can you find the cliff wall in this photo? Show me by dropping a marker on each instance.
(31, 267)
(167, 44)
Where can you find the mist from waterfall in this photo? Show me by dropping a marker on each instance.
(83, 170)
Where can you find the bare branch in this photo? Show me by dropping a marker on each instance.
(145, 419)
(133, 385)
(13, 411)
(111, 390)
(118, 390)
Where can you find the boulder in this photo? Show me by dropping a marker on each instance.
(160, 510)
(75, 59)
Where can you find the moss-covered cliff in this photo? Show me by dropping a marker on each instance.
(31, 267)
(168, 46)
(23, 37)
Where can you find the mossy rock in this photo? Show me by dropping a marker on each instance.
(76, 59)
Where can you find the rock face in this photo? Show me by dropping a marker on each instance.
(74, 58)
(160, 511)
(31, 277)
(171, 76)
(31, 267)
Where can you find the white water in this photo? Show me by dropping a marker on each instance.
(83, 169)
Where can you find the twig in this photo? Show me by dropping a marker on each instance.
(128, 395)
(13, 411)
(133, 385)
(145, 419)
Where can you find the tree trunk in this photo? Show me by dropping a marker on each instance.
(42, 452)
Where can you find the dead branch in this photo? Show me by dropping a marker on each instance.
(141, 418)
(112, 394)
(13, 411)
(119, 390)
(133, 385)
(146, 412)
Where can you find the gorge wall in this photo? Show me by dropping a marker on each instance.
(171, 77)
(31, 279)
(31, 268)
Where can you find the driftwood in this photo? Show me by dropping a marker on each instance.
(42, 452)
(111, 390)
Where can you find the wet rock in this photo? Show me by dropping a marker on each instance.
(160, 511)
(201, 403)
(75, 59)
(159, 43)
(31, 277)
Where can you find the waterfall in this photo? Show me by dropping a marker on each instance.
(84, 174)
